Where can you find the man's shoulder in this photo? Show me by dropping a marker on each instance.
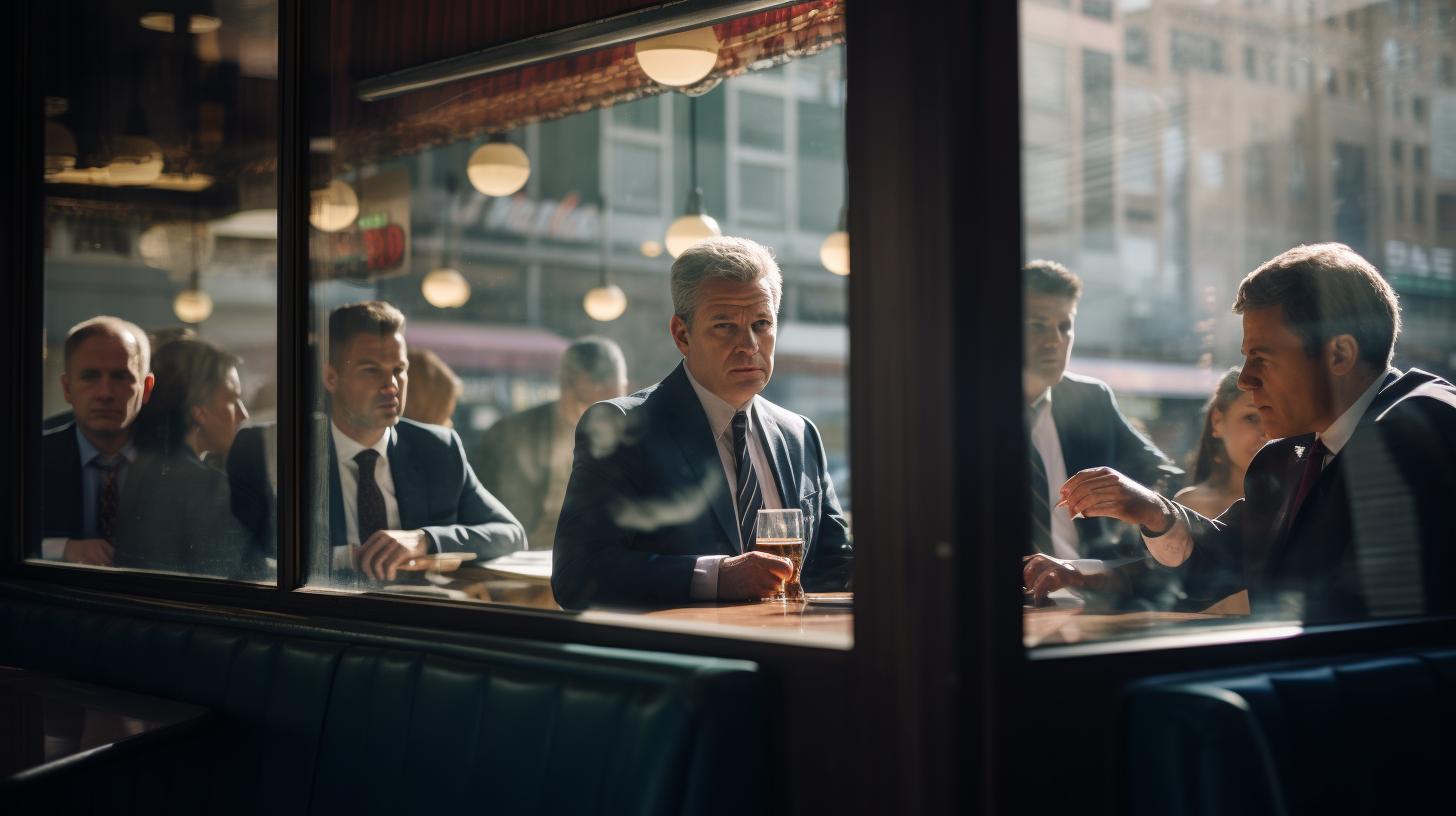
(1417, 393)
(789, 422)
(1080, 385)
(418, 435)
(60, 440)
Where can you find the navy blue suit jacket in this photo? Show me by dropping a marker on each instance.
(437, 492)
(648, 497)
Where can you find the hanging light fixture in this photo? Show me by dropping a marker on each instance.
(498, 168)
(446, 288)
(136, 158)
(606, 301)
(193, 305)
(334, 207)
(166, 21)
(834, 252)
(177, 245)
(679, 59)
(694, 225)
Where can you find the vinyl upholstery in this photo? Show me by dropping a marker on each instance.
(1360, 735)
(321, 720)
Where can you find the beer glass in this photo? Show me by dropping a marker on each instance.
(781, 532)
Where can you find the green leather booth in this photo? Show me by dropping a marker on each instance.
(333, 718)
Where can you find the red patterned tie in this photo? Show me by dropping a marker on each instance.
(1314, 462)
(106, 510)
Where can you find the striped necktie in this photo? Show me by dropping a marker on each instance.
(1041, 509)
(750, 499)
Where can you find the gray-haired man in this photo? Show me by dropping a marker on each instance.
(666, 485)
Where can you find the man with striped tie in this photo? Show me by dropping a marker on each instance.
(667, 483)
(1073, 423)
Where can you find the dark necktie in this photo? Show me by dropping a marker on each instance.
(1314, 462)
(750, 499)
(110, 499)
(1041, 509)
(372, 517)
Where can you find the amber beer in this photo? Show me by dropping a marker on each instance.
(781, 533)
(792, 549)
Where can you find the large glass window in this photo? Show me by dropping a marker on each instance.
(493, 259)
(158, 445)
(1171, 149)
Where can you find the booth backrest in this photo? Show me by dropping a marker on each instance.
(319, 720)
(1362, 735)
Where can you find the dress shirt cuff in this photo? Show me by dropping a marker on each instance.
(343, 558)
(705, 578)
(1176, 540)
(53, 549)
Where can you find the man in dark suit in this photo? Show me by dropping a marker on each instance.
(1346, 512)
(525, 460)
(665, 492)
(1073, 423)
(397, 489)
(86, 461)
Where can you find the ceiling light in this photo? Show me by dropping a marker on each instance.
(333, 207)
(834, 252)
(498, 168)
(651, 249)
(446, 289)
(159, 21)
(605, 303)
(192, 306)
(679, 59)
(179, 246)
(203, 24)
(694, 225)
(136, 161)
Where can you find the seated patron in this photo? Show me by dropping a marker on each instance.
(1233, 432)
(398, 489)
(176, 513)
(667, 483)
(525, 459)
(434, 390)
(1346, 514)
(87, 459)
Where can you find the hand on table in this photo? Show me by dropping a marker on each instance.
(1043, 575)
(752, 576)
(1105, 492)
(93, 551)
(381, 555)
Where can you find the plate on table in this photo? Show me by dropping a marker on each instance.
(839, 599)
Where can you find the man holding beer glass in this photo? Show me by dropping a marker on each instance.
(663, 503)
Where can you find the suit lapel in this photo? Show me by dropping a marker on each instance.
(694, 437)
(778, 454)
(338, 533)
(408, 486)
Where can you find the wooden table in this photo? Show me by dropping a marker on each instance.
(1070, 624)
(829, 624)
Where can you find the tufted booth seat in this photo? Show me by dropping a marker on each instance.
(316, 719)
(1361, 735)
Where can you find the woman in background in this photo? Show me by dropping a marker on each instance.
(1233, 432)
(175, 513)
(433, 389)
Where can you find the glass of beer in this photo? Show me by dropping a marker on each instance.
(781, 533)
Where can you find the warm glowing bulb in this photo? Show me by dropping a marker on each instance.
(446, 289)
(203, 24)
(679, 59)
(834, 253)
(180, 246)
(136, 161)
(688, 230)
(651, 248)
(333, 207)
(498, 168)
(192, 306)
(605, 303)
(159, 21)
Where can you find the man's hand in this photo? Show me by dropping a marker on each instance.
(381, 555)
(1105, 492)
(752, 576)
(93, 551)
(1044, 575)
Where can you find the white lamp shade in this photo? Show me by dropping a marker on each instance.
(605, 303)
(192, 306)
(136, 161)
(334, 207)
(651, 248)
(180, 246)
(498, 168)
(834, 253)
(60, 148)
(203, 24)
(446, 289)
(679, 59)
(159, 21)
(688, 230)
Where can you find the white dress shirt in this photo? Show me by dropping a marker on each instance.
(1065, 542)
(1335, 437)
(720, 419)
(345, 450)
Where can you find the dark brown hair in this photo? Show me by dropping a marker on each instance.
(370, 317)
(188, 372)
(1051, 278)
(1211, 456)
(432, 387)
(1327, 290)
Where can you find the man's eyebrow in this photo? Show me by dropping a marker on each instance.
(1259, 350)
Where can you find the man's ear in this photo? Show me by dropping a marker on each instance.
(679, 329)
(147, 383)
(196, 413)
(331, 378)
(1342, 352)
(66, 388)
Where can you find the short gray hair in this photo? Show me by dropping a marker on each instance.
(595, 359)
(734, 259)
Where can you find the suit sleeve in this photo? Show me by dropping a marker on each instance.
(1135, 455)
(831, 555)
(1215, 569)
(594, 561)
(482, 524)
(251, 497)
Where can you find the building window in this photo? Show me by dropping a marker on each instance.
(1136, 48)
(1397, 152)
(1397, 203)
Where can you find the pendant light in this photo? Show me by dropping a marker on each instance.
(193, 305)
(694, 225)
(166, 22)
(834, 252)
(136, 158)
(605, 302)
(334, 207)
(499, 168)
(680, 59)
(445, 287)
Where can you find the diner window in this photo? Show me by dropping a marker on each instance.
(576, 324)
(158, 446)
(1168, 411)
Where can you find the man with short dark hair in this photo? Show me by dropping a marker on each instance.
(86, 461)
(1346, 512)
(398, 489)
(665, 492)
(525, 460)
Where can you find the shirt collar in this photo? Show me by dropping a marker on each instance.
(89, 452)
(1343, 428)
(347, 448)
(720, 412)
(1042, 403)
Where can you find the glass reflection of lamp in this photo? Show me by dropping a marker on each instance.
(446, 288)
(498, 168)
(60, 148)
(694, 225)
(605, 302)
(193, 305)
(680, 59)
(334, 207)
(834, 252)
(166, 21)
(170, 246)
